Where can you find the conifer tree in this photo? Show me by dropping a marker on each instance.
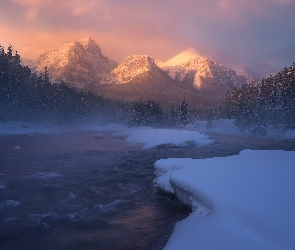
(183, 113)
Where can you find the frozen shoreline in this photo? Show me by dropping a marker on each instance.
(234, 226)
(239, 202)
(222, 127)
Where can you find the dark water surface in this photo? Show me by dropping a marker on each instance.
(78, 191)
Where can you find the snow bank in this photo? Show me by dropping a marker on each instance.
(17, 128)
(226, 126)
(289, 134)
(151, 137)
(222, 126)
(248, 200)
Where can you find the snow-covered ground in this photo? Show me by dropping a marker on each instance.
(146, 135)
(245, 201)
(151, 137)
(226, 126)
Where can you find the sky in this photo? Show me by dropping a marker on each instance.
(258, 35)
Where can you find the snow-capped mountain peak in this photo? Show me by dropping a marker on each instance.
(202, 72)
(130, 68)
(88, 43)
(79, 63)
(181, 58)
(85, 40)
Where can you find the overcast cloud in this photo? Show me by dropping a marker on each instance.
(255, 34)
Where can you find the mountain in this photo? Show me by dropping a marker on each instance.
(80, 63)
(179, 59)
(199, 79)
(135, 69)
(139, 77)
(205, 74)
(28, 62)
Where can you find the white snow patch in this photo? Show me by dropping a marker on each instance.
(152, 137)
(221, 126)
(248, 199)
(226, 126)
(181, 58)
(289, 134)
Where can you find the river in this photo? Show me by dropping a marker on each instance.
(84, 190)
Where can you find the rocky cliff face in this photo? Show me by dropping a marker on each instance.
(80, 63)
(134, 68)
(199, 79)
(191, 68)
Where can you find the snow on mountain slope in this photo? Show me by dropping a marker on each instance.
(181, 58)
(244, 73)
(190, 67)
(78, 63)
(196, 76)
(133, 67)
(28, 62)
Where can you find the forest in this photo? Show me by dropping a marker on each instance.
(28, 96)
(269, 104)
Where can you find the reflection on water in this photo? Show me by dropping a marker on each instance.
(76, 191)
(81, 197)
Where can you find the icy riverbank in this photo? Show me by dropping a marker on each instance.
(152, 137)
(226, 126)
(239, 202)
(148, 135)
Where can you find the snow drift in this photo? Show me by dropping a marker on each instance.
(151, 137)
(239, 202)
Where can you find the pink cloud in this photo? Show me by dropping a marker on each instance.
(74, 7)
(160, 28)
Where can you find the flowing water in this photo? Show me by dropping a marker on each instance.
(82, 190)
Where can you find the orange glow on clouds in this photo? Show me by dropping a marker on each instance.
(233, 32)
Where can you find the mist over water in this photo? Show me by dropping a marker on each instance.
(92, 190)
(73, 191)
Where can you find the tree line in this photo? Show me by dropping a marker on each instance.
(269, 104)
(28, 96)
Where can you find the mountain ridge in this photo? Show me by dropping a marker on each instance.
(133, 67)
(192, 68)
(188, 74)
(79, 63)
